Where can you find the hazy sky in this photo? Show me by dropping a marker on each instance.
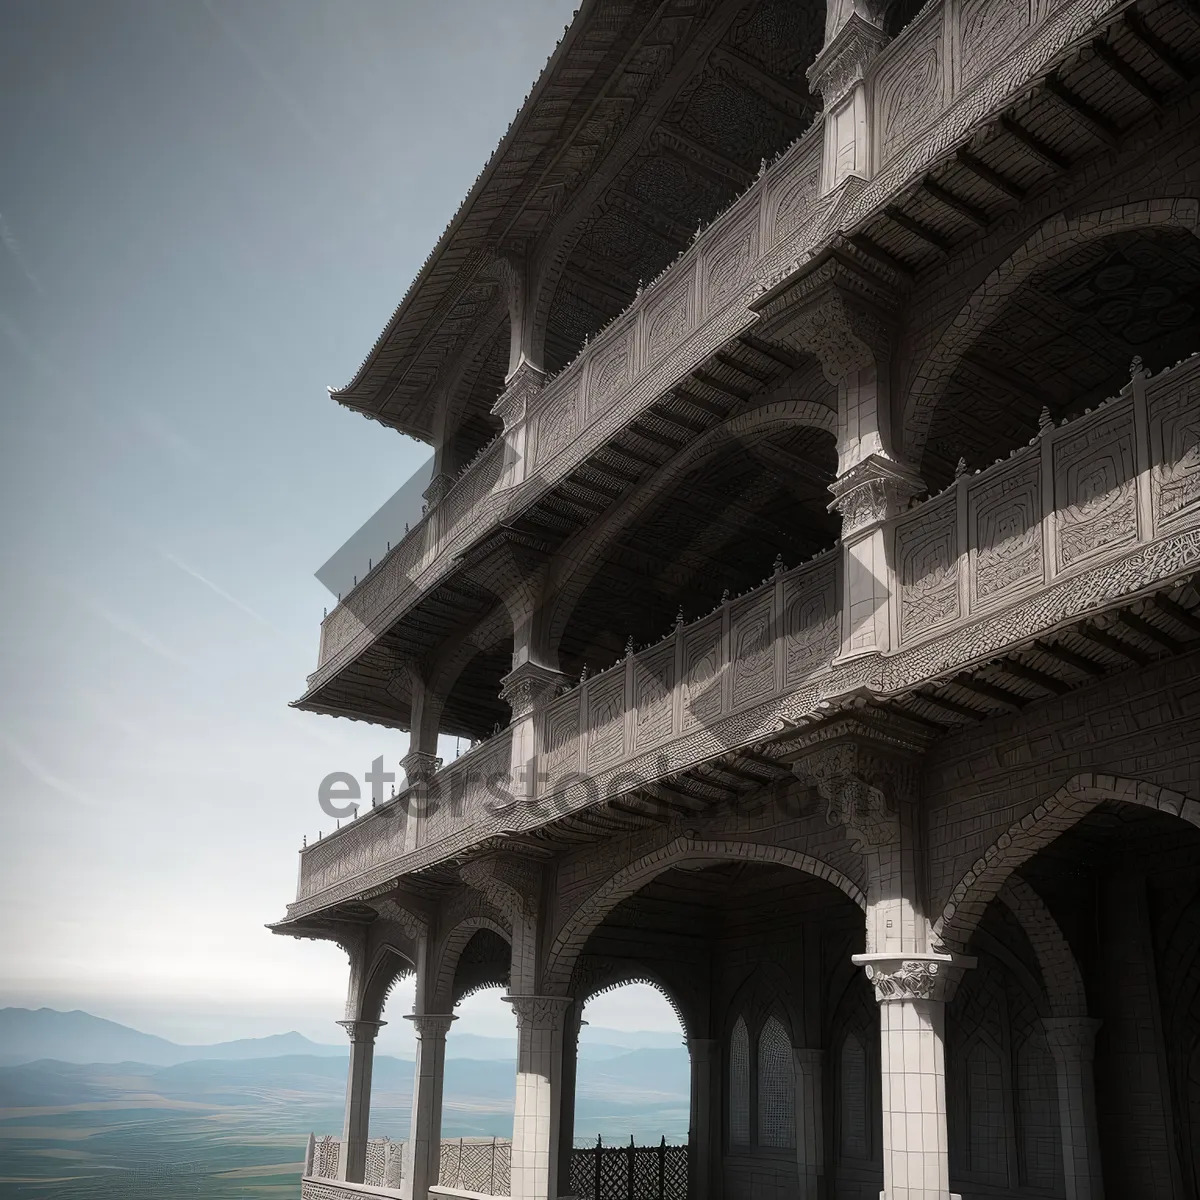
(208, 211)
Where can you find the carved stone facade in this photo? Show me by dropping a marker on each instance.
(825, 613)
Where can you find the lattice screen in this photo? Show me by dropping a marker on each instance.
(739, 1085)
(776, 1087)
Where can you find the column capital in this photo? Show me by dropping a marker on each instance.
(529, 687)
(519, 388)
(420, 766)
(914, 976)
(362, 1031)
(871, 491)
(431, 1026)
(844, 60)
(701, 1048)
(539, 1012)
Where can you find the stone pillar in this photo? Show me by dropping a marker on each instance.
(538, 1111)
(512, 407)
(912, 991)
(566, 1128)
(810, 1123)
(352, 1161)
(1072, 1042)
(704, 1124)
(420, 766)
(527, 689)
(422, 1154)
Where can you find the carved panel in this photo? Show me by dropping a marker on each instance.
(702, 673)
(606, 719)
(560, 758)
(556, 425)
(653, 683)
(1006, 533)
(1094, 488)
(727, 267)
(1175, 446)
(986, 31)
(810, 622)
(668, 320)
(610, 371)
(909, 87)
(752, 641)
(927, 568)
(792, 201)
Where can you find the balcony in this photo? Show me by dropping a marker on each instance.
(1086, 518)
(701, 301)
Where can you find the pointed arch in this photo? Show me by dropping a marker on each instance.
(1060, 971)
(1055, 236)
(570, 939)
(1024, 838)
(450, 952)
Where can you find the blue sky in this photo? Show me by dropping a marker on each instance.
(208, 211)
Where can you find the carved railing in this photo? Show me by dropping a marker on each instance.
(479, 1166)
(1087, 515)
(1080, 496)
(384, 834)
(956, 64)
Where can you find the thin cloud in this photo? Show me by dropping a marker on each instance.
(13, 246)
(133, 631)
(42, 774)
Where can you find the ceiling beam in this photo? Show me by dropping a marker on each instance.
(1091, 118)
(1070, 658)
(949, 200)
(1177, 612)
(1151, 42)
(1140, 625)
(1035, 145)
(918, 229)
(1098, 637)
(1018, 670)
(989, 175)
(1119, 67)
(873, 249)
(991, 691)
(952, 706)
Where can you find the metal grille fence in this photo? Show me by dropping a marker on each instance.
(630, 1172)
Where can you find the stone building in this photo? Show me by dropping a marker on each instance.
(810, 559)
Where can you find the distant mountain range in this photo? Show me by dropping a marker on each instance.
(29, 1035)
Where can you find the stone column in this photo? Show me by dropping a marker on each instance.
(352, 1161)
(703, 1126)
(566, 1127)
(538, 1110)
(912, 991)
(422, 1154)
(810, 1123)
(1072, 1042)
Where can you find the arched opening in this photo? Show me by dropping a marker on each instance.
(755, 492)
(746, 949)
(472, 707)
(1055, 330)
(1118, 886)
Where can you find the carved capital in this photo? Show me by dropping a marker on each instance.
(862, 771)
(511, 883)
(438, 487)
(431, 1026)
(362, 1031)
(520, 387)
(543, 1013)
(914, 976)
(420, 766)
(845, 59)
(529, 687)
(872, 491)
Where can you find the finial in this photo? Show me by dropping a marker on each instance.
(1136, 368)
(583, 674)
(725, 596)
(304, 839)
(679, 618)
(777, 566)
(1045, 420)
(762, 167)
(629, 646)
(960, 468)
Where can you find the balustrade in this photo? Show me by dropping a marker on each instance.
(701, 301)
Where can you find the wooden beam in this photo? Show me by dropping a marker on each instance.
(727, 360)
(727, 389)
(1070, 658)
(1034, 144)
(651, 436)
(1115, 63)
(708, 406)
(1177, 612)
(1098, 637)
(1140, 625)
(637, 457)
(874, 250)
(1089, 117)
(775, 353)
(952, 706)
(681, 422)
(949, 200)
(1018, 670)
(989, 175)
(1151, 42)
(991, 691)
(917, 228)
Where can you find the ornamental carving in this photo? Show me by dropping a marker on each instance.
(702, 674)
(1175, 432)
(845, 336)
(910, 91)
(431, 1026)
(862, 806)
(752, 636)
(653, 686)
(413, 925)
(511, 884)
(540, 1013)
(669, 322)
(728, 271)
(610, 373)
(605, 719)
(555, 427)
(914, 979)
(1094, 480)
(1005, 516)
(420, 766)
(846, 59)
(986, 29)
(520, 388)
(529, 687)
(811, 631)
(927, 568)
(872, 491)
(561, 754)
